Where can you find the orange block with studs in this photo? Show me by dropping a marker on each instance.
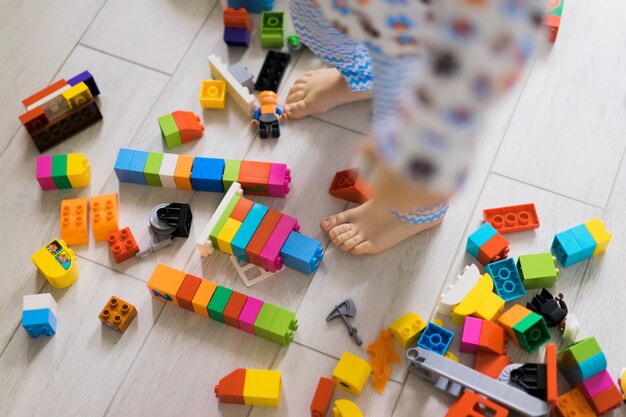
(573, 404)
(104, 213)
(489, 364)
(118, 314)
(237, 18)
(187, 291)
(188, 125)
(74, 221)
(496, 249)
(230, 388)
(383, 356)
(474, 405)
(122, 245)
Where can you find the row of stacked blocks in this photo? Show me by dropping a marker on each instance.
(237, 27)
(58, 172)
(223, 304)
(258, 235)
(201, 174)
(60, 110)
(581, 242)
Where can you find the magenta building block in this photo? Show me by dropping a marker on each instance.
(470, 339)
(270, 255)
(44, 173)
(280, 177)
(249, 313)
(596, 384)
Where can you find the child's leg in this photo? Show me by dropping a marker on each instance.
(320, 90)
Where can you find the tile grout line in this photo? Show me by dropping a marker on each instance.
(121, 58)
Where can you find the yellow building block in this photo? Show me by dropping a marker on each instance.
(510, 318)
(602, 236)
(203, 296)
(57, 263)
(104, 214)
(213, 94)
(346, 408)
(165, 283)
(77, 95)
(481, 302)
(78, 170)
(262, 387)
(226, 235)
(407, 328)
(451, 356)
(351, 373)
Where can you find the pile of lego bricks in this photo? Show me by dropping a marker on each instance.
(259, 235)
(201, 174)
(222, 304)
(60, 110)
(57, 172)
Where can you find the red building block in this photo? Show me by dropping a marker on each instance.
(187, 290)
(261, 236)
(237, 19)
(551, 376)
(606, 400)
(474, 405)
(34, 119)
(230, 388)
(489, 364)
(254, 177)
(188, 125)
(347, 185)
(496, 249)
(512, 218)
(323, 396)
(241, 209)
(44, 93)
(235, 304)
(122, 245)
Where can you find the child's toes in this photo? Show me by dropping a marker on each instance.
(338, 230)
(295, 95)
(296, 110)
(363, 248)
(352, 242)
(339, 240)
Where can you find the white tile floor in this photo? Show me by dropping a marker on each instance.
(557, 140)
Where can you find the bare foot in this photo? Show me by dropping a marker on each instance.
(318, 91)
(370, 228)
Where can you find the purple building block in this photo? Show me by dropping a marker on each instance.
(44, 173)
(237, 36)
(470, 339)
(280, 177)
(87, 78)
(596, 384)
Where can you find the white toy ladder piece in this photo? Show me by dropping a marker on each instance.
(251, 274)
(204, 244)
(238, 92)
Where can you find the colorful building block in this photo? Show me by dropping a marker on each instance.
(118, 314)
(236, 36)
(254, 177)
(45, 94)
(278, 181)
(249, 314)
(580, 242)
(87, 78)
(573, 404)
(167, 170)
(77, 95)
(74, 221)
(205, 242)
(152, 169)
(491, 338)
(169, 130)
(351, 373)
(506, 279)
(213, 94)
(435, 338)
(237, 18)
(348, 185)
(269, 257)
(242, 75)
(229, 390)
(238, 92)
(346, 408)
(262, 235)
(579, 352)
(78, 169)
(241, 210)
(165, 283)
(226, 235)
(233, 309)
(538, 270)
(458, 290)
(272, 30)
(136, 170)
(382, 356)
(202, 297)
(252, 6)
(182, 174)
(302, 253)
(59, 172)
(407, 329)
(606, 401)
(490, 364)
(39, 314)
(122, 245)
(122, 164)
(188, 125)
(596, 384)
(480, 302)
(525, 328)
(104, 214)
(602, 237)
(552, 17)
(262, 388)
(495, 249)
(282, 327)
(264, 320)
(470, 338)
(187, 291)
(223, 219)
(44, 173)
(206, 174)
(478, 238)
(231, 172)
(323, 396)
(272, 71)
(218, 303)
(57, 263)
(470, 404)
(247, 230)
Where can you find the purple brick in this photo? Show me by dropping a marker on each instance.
(237, 36)
(87, 78)
(44, 173)
(280, 177)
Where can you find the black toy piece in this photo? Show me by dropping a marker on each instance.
(553, 310)
(178, 217)
(532, 378)
(272, 71)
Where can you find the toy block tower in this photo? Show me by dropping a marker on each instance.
(487, 245)
(525, 328)
(180, 127)
(237, 27)
(39, 315)
(581, 242)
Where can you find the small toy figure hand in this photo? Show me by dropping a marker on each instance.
(254, 122)
(283, 116)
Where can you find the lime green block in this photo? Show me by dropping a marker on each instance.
(538, 270)
(231, 173)
(283, 326)
(531, 332)
(152, 168)
(220, 223)
(218, 303)
(59, 172)
(578, 352)
(169, 130)
(263, 322)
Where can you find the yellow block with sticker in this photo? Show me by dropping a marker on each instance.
(226, 235)
(351, 373)
(77, 95)
(57, 262)
(597, 229)
(346, 408)
(480, 302)
(262, 387)
(78, 170)
(407, 329)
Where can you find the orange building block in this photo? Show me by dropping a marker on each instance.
(230, 388)
(347, 185)
(496, 249)
(254, 177)
(104, 214)
(34, 119)
(182, 173)
(473, 405)
(237, 18)
(551, 375)
(489, 364)
(74, 221)
(262, 234)
(383, 356)
(573, 404)
(510, 318)
(322, 398)
(607, 400)
(118, 314)
(203, 297)
(165, 283)
(491, 338)
(235, 304)
(242, 209)
(122, 245)
(44, 93)
(188, 124)
(187, 291)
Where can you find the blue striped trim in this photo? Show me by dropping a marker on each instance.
(423, 215)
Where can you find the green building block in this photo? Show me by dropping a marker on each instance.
(272, 29)
(231, 173)
(578, 352)
(538, 270)
(59, 172)
(283, 326)
(220, 222)
(531, 332)
(263, 322)
(218, 303)
(152, 168)
(169, 130)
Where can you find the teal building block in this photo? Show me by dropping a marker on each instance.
(586, 369)
(152, 168)
(39, 322)
(479, 238)
(585, 240)
(272, 29)
(263, 322)
(302, 253)
(122, 164)
(283, 326)
(435, 338)
(566, 248)
(506, 280)
(59, 172)
(218, 303)
(247, 229)
(137, 166)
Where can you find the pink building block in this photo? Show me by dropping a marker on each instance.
(44, 173)
(471, 335)
(280, 177)
(270, 255)
(249, 313)
(596, 384)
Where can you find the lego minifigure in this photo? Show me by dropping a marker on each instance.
(268, 115)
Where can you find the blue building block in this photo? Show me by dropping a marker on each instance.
(247, 229)
(435, 338)
(87, 78)
(585, 240)
(237, 36)
(506, 279)
(302, 253)
(136, 169)
(479, 238)
(566, 248)
(586, 369)
(206, 174)
(122, 164)
(252, 6)
(39, 322)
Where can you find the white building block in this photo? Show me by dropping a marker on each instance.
(458, 290)
(238, 92)
(38, 302)
(166, 172)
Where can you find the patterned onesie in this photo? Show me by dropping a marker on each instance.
(434, 66)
